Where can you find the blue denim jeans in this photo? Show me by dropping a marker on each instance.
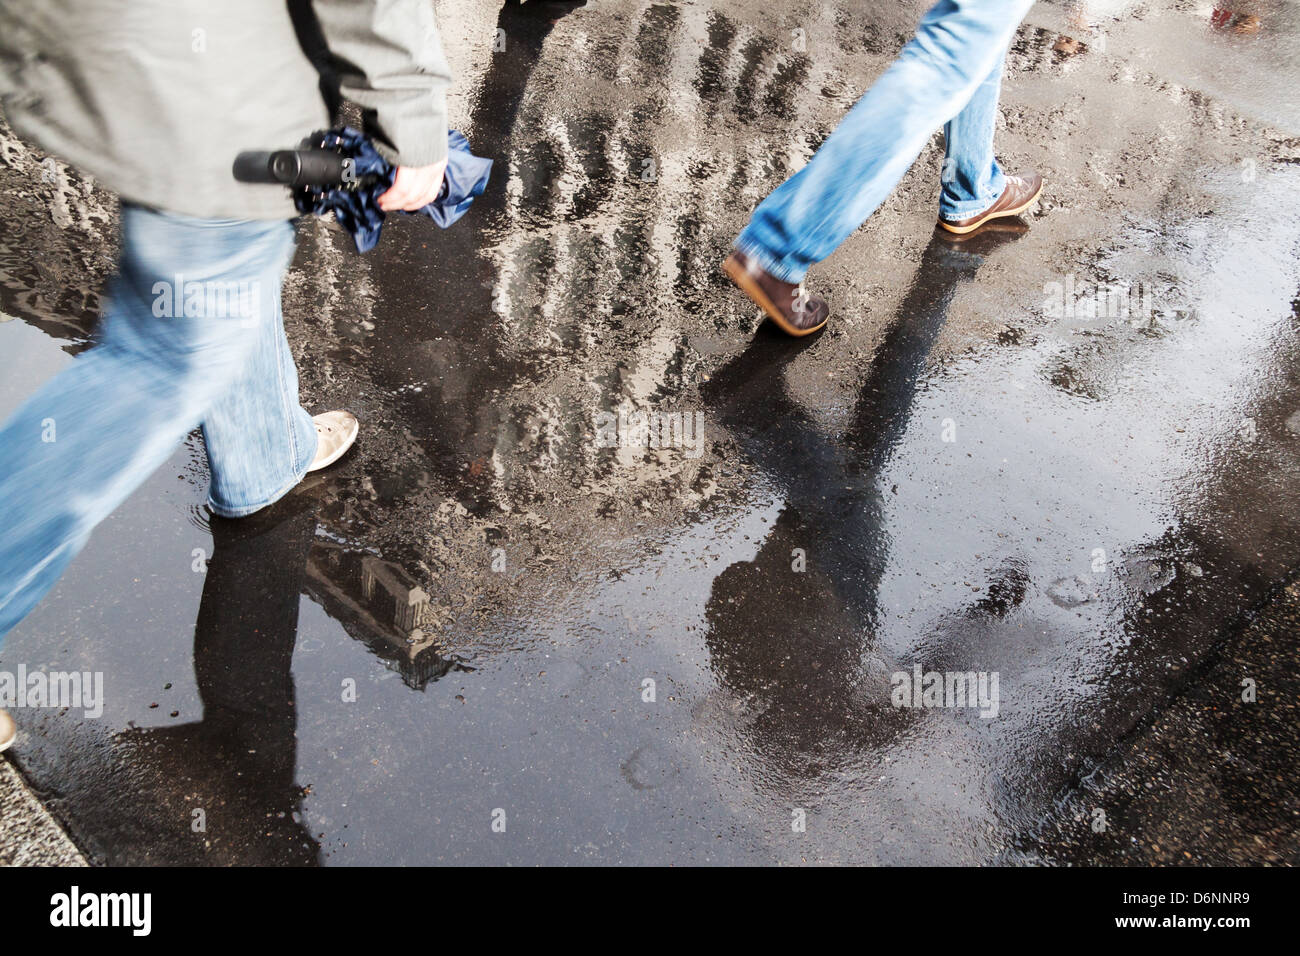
(950, 72)
(192, 335)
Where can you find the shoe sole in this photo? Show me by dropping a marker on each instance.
(989, 228)
(962, 230)
(338, 453)
(752, 289)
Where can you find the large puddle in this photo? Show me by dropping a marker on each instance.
(1058, 454)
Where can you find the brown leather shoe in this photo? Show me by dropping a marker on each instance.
(1021, 192)
(793, 310)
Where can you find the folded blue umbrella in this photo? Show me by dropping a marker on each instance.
(357, 208)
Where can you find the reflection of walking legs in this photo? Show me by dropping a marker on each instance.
(955, 57)
(245, 633)
(238, 763)
(798, 650)
(78, 447)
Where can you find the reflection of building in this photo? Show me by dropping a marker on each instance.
(388, 591)
(379, 603)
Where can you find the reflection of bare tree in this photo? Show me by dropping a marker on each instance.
(601, 226)
(610, 206)
(598, 228)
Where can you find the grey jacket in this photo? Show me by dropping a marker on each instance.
(155, 97)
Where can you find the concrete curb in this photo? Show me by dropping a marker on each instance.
(29, 835)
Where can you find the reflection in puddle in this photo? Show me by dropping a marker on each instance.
(481, 545)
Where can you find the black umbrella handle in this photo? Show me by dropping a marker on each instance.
(299, 167)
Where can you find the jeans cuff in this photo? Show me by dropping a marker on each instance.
(968, 208)
(243, 511)
(771, 265)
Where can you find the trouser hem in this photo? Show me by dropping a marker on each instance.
(961, 211)
(771, 265)
(245, 510)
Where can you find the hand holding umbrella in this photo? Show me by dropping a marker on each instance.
(413, 188)
(340, 171)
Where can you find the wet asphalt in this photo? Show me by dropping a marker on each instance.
(484, 638)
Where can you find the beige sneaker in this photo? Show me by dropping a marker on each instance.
(8, 730)
(337, 431)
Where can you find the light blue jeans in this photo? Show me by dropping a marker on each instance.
(949, 73)
(192, 335)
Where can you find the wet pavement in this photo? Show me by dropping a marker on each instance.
(1208, 780)
(974, 469)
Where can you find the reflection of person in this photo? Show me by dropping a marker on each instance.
(448, 416)
(192, 334)
(237, 764)
(806, 672)
(949, 73)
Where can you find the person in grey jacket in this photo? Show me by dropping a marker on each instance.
(154, 98)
